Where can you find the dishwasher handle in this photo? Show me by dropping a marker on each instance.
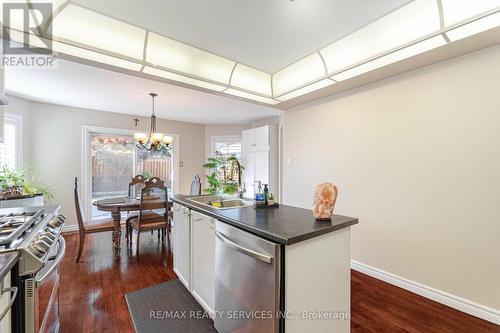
(254, 254)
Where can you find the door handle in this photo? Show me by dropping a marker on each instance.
(254, 254)
(56, 262)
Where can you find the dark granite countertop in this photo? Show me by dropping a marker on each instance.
(286, 224)
(7, 261)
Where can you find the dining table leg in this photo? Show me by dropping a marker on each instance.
(117, 232)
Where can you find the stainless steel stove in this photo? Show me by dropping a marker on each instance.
(35, 233)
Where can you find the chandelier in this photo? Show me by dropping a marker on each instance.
(154, 142)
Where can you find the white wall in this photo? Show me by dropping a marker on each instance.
(417, 159)
(53, 136)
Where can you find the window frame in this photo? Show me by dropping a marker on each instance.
(86, 168)
(17, 121)
(223, 138)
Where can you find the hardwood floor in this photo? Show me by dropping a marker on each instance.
(92, 294)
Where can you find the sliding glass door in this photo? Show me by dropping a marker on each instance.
(114, 160)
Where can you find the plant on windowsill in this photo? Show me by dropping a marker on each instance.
(14, 183)
(223, 177)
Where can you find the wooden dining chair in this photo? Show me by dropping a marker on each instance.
(139, 179)
(88, 227)
(147, 219)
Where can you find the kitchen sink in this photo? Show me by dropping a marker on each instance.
(218, 202)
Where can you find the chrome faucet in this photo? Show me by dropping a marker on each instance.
(241, 190)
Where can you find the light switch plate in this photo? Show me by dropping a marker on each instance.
(289, 161)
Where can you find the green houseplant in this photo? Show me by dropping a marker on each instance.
(19, 182)
(224, 173)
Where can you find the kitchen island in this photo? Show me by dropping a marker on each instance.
(278, 261)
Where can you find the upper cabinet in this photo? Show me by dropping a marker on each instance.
(255, 138)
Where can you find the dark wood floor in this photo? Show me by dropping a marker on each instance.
(92, 294)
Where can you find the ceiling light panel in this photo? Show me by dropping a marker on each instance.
(78, 52)
(308, 89)
(253, 97)
(393, 57)
(81, 26)
(475, 27)
(456, 11)
(298, 74)
(404, 25)
(251, 79)
(170, 54)
(181, 78)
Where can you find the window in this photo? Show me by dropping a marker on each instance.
(10, 148)
(114, 160)
(227, 145)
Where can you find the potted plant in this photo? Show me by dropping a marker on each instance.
(20, 182)
(224, 172)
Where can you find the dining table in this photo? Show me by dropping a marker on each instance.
(125, 204)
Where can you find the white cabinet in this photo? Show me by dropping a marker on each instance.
(182, 244)
(203, 259)
(261, 137)
(247, 138)
(255, 138)
(259, 155)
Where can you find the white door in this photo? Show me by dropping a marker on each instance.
(203, 257)
(182, 246)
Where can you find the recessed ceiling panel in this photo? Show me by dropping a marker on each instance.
(265, 34)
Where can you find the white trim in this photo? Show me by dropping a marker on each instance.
(85, 172)
(70, 227)
(18, 123)
(456, 302)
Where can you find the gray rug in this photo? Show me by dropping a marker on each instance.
(167, 307)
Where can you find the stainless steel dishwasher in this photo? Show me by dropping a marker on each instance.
(247, 278)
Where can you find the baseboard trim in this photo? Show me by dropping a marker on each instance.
(70, 228)
(436, 295)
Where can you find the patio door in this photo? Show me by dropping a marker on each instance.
(113, 160)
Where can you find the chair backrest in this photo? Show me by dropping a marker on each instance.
(149, 185)
(80, 215)
(139, 179)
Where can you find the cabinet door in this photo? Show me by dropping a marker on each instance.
(203, 257)
(247, 139)
(262, 166)
(182, 246)
(261, 137)
(248, 174)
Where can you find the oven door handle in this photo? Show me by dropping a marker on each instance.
(55, 263)
(12, 290)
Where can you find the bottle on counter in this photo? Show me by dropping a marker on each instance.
(259, 196)
(266, 194)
